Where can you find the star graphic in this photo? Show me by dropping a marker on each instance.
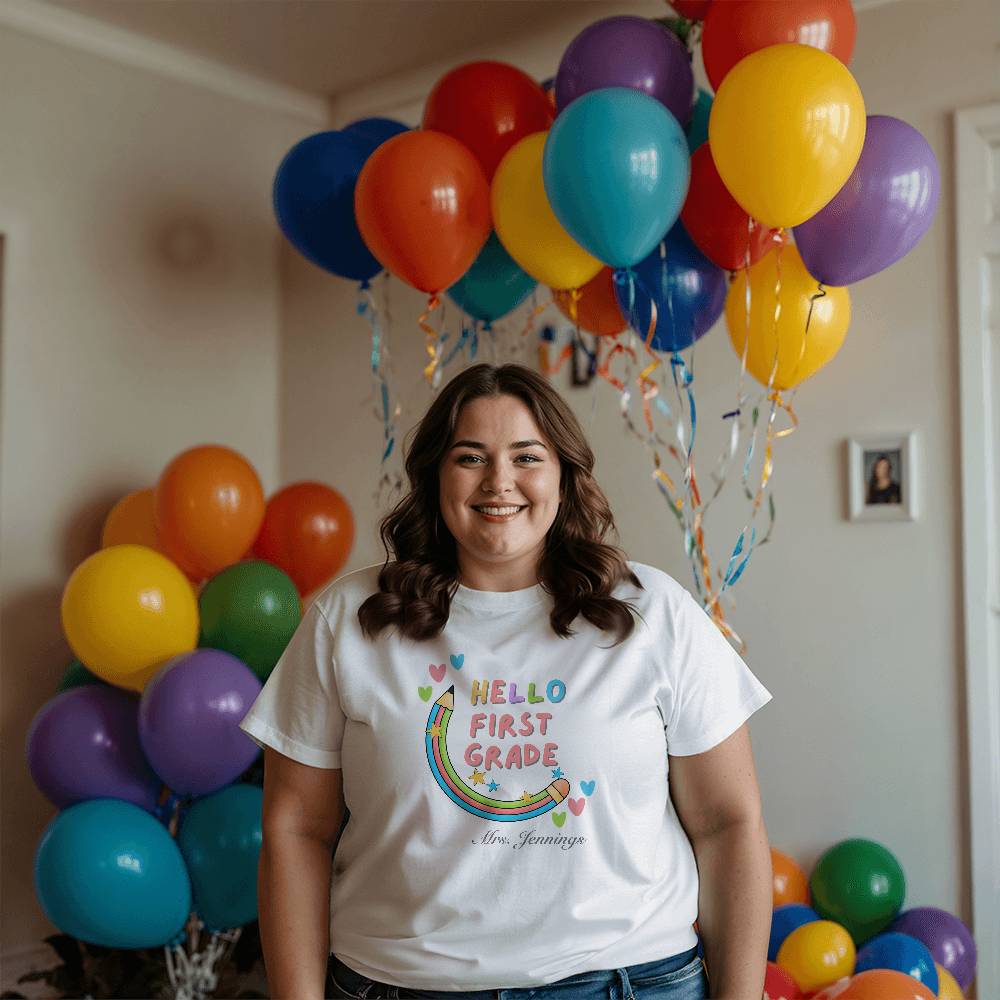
(477, 778)
(435, 730)
(493, 786)
(526, 797)
(557, 773)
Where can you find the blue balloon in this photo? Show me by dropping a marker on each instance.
(784, 920)
(697, 129)
(616, 168)
(108, 873)
(314, 202)
(902, 953)
(377, 130)
(688, 289)
(220, 839)
(494, 284)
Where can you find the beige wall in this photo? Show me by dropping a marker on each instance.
(141, 306)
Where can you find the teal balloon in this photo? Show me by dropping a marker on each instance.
(220, 839)
(493, 286)
(697, 129)
(77, 675)
(616, 169)
(110, 874)
(251, 609)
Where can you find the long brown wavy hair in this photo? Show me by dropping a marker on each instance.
(578, 568)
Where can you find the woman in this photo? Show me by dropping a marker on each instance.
(496, 706)
(882, 488)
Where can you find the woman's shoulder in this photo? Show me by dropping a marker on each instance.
(346, 593)
(657, 585)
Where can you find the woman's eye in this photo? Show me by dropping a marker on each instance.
(534, 458)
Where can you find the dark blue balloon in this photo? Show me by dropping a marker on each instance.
(688, 289)
(314, 202)
(376, 130)
(784, 920)
(902, 953)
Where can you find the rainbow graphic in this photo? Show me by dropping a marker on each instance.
(530, 806)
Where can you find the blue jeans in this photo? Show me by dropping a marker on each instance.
(680, 977)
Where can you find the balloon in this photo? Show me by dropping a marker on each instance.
(209, 508)
(313, 199)
(833, 991)
(860, 884)
(693, 10)
(902, 953)
(84, 744)
(697, 128)
(799, 354)
(882, 984)
(881, 213)
(220, 839)
(189, 719)
(786, 130)
(488, 107)
(626, 51)
(948, 988)
(250, 609)
(493, 286)
(949, 940)
(785, 919)
(308, 532)
(375, 130)
(597, 309)
(817, 954)
(779, 985)
(76, 675)
(688, 289)
(422, 204)
(719, 227)
(527, 226)
(127, 609)
(736, 28)
(109, 874)
(790, 882)
(616, 169)
(131, 522)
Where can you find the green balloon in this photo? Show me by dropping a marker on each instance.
(860, 885)
(250, 609)
(77, 675)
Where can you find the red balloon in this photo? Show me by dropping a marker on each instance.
(779, 985)
(693, 10)
(423, 207)
(308, 532)
(597, 309)
(488, 106)
(718, 226)
(736, 28)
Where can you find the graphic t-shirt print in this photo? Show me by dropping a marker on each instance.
(496, 756)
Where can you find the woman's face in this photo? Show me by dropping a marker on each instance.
(499, 461)
(883, 468)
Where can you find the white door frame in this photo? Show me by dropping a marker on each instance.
(977, 221)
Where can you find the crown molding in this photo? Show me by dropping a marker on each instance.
(87, 34)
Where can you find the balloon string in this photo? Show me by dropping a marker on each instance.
(533, 313)
(433, 301)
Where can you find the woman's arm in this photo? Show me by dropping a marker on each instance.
(303, 811)
(718, 802)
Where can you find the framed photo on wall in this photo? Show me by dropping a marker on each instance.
(882, 477)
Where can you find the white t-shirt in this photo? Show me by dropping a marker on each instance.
(510, 817)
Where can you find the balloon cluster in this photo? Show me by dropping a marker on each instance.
(842, 933)
(175, 622)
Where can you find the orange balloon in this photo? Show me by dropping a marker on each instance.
(790, 882)
(209, 507)
(131, 522)
(308, 532)
(422, 204)
(597, 308)
(885, 984)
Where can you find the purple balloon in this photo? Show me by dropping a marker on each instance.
(628, 52)
(189, 718)
(949, 940)
(84, 744)
(880, 214)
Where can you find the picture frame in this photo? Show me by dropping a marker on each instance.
(882, 477)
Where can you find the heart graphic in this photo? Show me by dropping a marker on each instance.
(457, 659)
(558, 818)
(587, 787)
(425, 692)
(576, 806)
(437, 671)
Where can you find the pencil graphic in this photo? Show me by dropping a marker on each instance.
(500, 810)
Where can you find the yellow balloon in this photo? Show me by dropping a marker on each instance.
(817, 954)
(948, 988)
(125, 610)
(131, 521)
(527, 226)
(786, 130)
(799, 354)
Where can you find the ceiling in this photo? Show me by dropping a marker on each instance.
(326, 47)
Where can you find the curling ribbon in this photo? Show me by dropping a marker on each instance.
(433, 301)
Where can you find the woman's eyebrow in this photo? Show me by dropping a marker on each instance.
(513, 446)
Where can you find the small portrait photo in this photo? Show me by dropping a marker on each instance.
(882, 477)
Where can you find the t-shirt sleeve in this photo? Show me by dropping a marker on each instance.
(298, 711)
(713, 690)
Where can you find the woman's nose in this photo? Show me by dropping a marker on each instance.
(497, 479)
